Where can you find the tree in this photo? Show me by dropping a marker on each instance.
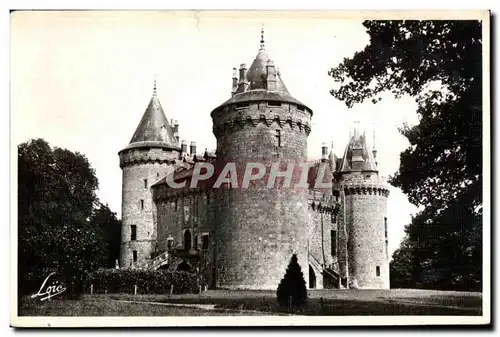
(105, 220)
(56, 198)
(292, 288)
(440, 64)
(402, 266)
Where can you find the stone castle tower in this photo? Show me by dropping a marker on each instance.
(363, 213)
(151, 155)
(257, 229)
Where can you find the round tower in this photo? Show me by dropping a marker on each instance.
(150, 156)
(258, 229)
(365, 202)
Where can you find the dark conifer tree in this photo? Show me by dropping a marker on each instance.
(292, 289)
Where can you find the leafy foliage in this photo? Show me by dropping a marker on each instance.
(292, 286)
(440, 64)
(56, 199)
(105, 220)
(147, 281)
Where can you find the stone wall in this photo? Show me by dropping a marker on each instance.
(181, 210)
(137, 206)
(258, 229)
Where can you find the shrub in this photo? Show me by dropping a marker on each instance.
(147, 281)
(292, 286)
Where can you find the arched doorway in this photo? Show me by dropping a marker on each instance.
(184, 266)
(187, 240)
(312, 278)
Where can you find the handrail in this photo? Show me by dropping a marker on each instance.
(158, 260)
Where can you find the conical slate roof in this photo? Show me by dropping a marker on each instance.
(257, 74)
(257, 90)
(153, 129)
(358, 142)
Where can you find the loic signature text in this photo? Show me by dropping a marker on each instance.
(49, 291)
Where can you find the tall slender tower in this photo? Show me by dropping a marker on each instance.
(150, 156)
(257, 229)
(365, 198)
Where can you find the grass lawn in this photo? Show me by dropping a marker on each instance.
(336, 302)
(321, 302)
(103, 306)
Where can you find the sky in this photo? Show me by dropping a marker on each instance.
(82, 80)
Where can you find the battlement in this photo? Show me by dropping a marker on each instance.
(243, 114)
(138, 156)
(364, 189)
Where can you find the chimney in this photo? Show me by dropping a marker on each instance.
(324, 152)
(175, 129)
(192, 149)
(271, 76)
(184, 147)
(242, 83)
(235, 82)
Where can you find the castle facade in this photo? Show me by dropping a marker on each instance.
(243, 238)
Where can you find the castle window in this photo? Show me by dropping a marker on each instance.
(145, 183)
(134, 256)
(204, 242)
(333, 235)
(242, 105)
(157, 175)
(274, 103)
(176, 204)
(385, 227)
(133, 232)
(170, 243)
(300, 108)
(142, 203)
(378, 270)
(278, 137)
(187, 240)
(195, 243)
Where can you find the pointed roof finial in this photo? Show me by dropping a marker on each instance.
(262, 38)
(154, 86)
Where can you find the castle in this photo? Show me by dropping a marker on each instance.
(236, 238)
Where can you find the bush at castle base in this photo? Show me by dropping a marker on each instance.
(292, 285)
(147, 281)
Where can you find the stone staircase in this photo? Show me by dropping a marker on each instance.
(157, 261)
(338, 281)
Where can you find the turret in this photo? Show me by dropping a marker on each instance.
(364, 214)
(151, 153)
